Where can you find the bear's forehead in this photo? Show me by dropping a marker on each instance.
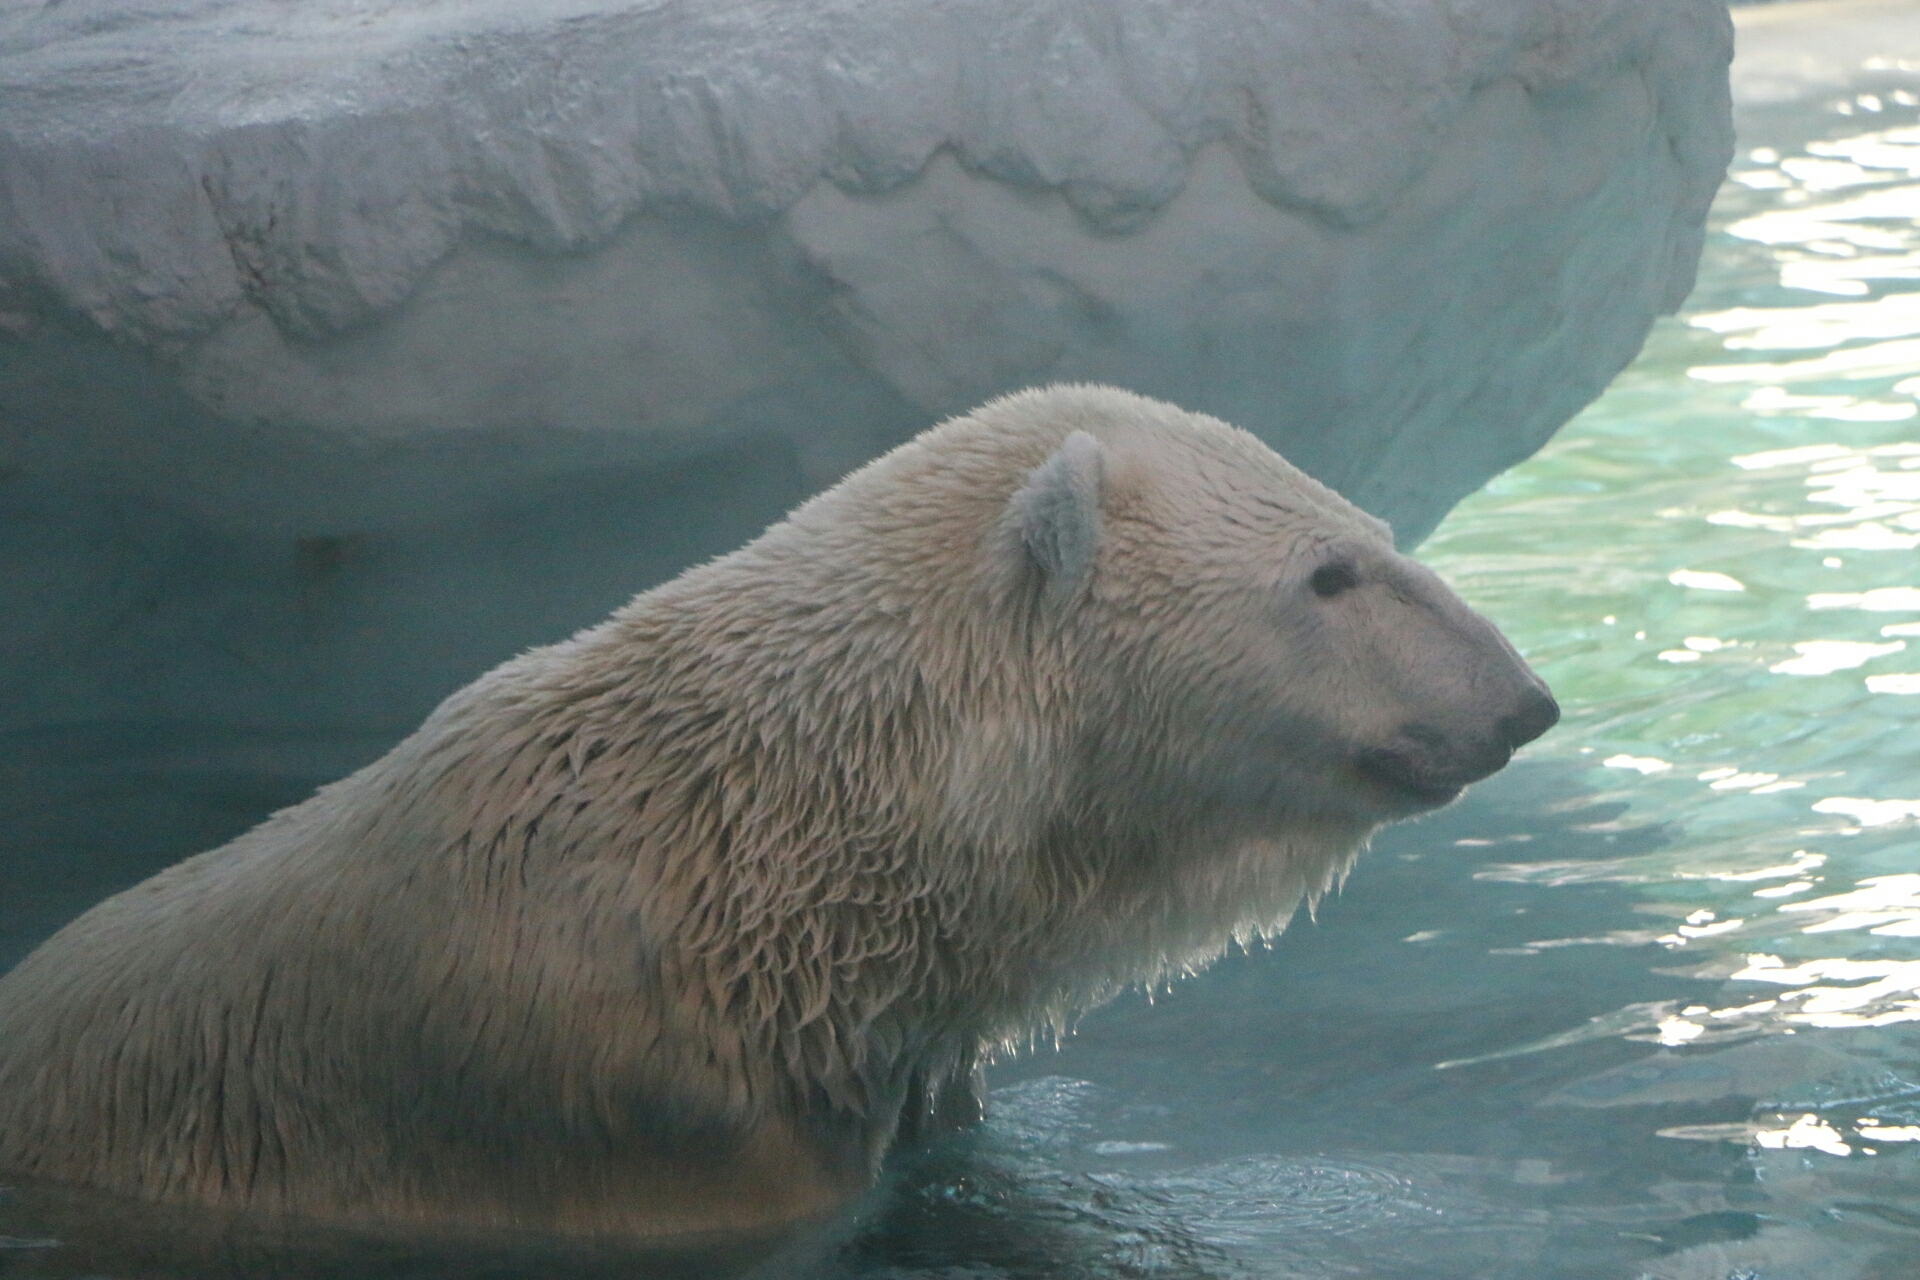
(1190, 474)
(1227, 481)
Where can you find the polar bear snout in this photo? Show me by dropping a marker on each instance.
(1455, 699)
(1430, 766)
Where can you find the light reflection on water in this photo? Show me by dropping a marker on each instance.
(1711, 558)
(1711, 567)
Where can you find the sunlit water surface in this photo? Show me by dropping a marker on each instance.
(1648, 1004)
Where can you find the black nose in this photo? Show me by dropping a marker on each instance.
(1538, 713)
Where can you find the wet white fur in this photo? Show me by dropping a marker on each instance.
(653, 929)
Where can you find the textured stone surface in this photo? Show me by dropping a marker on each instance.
(1401, 241)
(347, 347)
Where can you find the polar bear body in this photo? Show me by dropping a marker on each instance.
(667, 927)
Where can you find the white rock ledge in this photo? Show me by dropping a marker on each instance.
(1389, 236)
(346, 345)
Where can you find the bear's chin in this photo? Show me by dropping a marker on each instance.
(1395, 800)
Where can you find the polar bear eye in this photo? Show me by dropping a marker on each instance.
(1331, 579)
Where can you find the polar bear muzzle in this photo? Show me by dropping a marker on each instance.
(1474, 699)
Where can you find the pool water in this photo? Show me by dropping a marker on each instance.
(1647, 1004)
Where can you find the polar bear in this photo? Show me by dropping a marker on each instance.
(677, 925)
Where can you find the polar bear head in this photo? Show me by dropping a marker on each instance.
(1131, 683)
(1242, 646)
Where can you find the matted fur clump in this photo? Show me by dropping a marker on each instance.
(675, 925)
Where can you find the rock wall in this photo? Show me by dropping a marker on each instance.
(347, 347)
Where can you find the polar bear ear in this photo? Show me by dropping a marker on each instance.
(1056, 516)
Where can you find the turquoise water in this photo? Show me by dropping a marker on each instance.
(1647, 1004)
(1716, 569)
